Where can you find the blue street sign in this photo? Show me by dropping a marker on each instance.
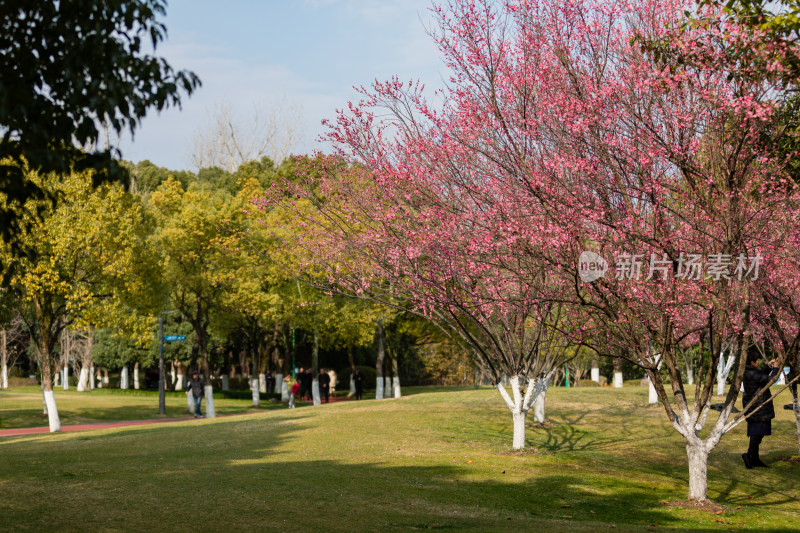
(170, 338)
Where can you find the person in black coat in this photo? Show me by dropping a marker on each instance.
(759, 423)
(324, 385)
(358, 378)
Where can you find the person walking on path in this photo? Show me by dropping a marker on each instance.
(759, 423)
(324, 385)
(195, 385)
(358, 378)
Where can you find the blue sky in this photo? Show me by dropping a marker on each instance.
(309, 53)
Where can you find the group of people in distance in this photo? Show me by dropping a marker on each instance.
(305, 379)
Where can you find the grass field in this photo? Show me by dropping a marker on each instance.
(434, 460)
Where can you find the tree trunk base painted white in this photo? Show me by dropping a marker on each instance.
(4, 377)
(210, 413)
(315, 392)
(698, 472)
(44, 401)
(190, 401)
(278, 381)
(285, 391)
(519, 431)
(539, 404)
(596, 375)
(396, 387)
(57, 379)
(652, 395)
(92, 384)
(52, 411)
(136, 376)
(256, 394)
(352, 387)
(124, 380)
(387, 387)
(291, 401)
(262, 383)
(65, 378)
(83, 381)
(796, 409)
(225, 384)
(179, 384)
(379, 388)
(690, 376)
(618, 380)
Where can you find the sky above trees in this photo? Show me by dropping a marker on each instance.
(306, 53)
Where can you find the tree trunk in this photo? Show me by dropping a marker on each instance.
(262, 382)
(698, 471)
(46, 365)
(124, 380)
(210, 412)
(617, 373)
(180, 376)
(652, 396)
(225, 382)
(315, 395)
(519, 405)
(595, 372)
(254, 388)
(352, 362)
(3, 359)
(284, 391)
(539, 403)
(723, 369)
(105, 377)
(278, 381)
(190, 402)
(136, 376)
(379, 363)
(92, 379)
(690, 375)
(83, 380)
(57, 378)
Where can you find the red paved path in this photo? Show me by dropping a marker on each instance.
(16, 432)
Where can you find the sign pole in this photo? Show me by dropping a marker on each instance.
(162, 409)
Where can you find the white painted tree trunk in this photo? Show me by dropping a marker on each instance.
(379, 388)
(4, 377)
(136, 376)
(105, 377)
(65, 378)
(519, 406)
(278, 381)
(225, 383)
(618, 380)
(796, 410)
(57, 379)
(652, 395)
(396, 387)
(284, 391)
(210, 412)
(698, 471)
(504, 380)
(124, 380)
(179, 383)
(256, 393)
(190, 402)
(92, 384)
(690, 376)
(352, 387)
(44, 401)
(315, 392)
(83, 381)
(52, 411)
(539, 403)
(596, 374)
(723, 369)
(387, 387)
(262, 383)
(172, 376)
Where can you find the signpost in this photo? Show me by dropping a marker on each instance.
(162, 407)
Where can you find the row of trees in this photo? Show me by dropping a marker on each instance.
(573, 136)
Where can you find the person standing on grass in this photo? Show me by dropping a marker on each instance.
(759, 423)
(324, 385)
(195, 385)
(358, 378)
(268, 379)
(294, 389)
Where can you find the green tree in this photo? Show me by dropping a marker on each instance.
(68, 70)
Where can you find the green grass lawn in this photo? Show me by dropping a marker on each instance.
(437, 460)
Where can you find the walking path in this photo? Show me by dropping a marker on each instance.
(16, 432)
